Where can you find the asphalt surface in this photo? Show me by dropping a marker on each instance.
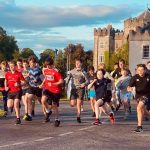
(72, 135)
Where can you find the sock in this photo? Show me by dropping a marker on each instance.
(47, 110)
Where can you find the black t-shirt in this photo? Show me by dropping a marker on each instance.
(117, 73)
(2, 82)
(141, 84)
(91, 78)
(101, 87)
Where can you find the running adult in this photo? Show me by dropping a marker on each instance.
(141, 82)
(79, 82)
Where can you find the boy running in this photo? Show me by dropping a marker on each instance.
(52, 90)
(13, 84)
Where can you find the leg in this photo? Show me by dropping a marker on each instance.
(29, 100)
(140, 112)
(73, 102)
(10, 103)
(79, 103)
(44, 103)
(16, 106)
(98, 104)
(92, 102)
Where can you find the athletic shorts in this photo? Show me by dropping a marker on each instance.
(77, 94)
(35, 91)
(91, 94)
(144, 99)
(53, 98)
(15, 95)
(108, 97)
(126, 96)
(24, 91)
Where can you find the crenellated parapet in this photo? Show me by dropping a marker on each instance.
(119, 35)
(109, 31)
(139, 34)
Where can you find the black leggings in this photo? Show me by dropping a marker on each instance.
(4, 94)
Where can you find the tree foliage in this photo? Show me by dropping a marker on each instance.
(121, 53)
(26, 53)
(8, 45)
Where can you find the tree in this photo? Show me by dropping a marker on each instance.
(74, 52)
(60, 62)
(26, 53)
(8, 45)
(121, 53)
(45, 54)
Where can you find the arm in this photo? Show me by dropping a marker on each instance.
(131, 84)
(6, 85)
(61, 81)
(91, 84)
(86, 80)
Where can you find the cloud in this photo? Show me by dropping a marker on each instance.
(35, 17)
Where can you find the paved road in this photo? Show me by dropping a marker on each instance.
(71, 135)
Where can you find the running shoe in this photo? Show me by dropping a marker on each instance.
(97, 122)
(139, 129)
(78, 119)
(112, 118)
(57, 123)
(47, 115)
(18, 121)
(26, 117)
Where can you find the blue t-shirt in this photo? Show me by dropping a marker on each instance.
(35, 76)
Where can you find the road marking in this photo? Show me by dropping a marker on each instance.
(65, 134)
(20, 143)
(43, 139)
(86, 128)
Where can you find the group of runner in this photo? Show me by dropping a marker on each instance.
(25, 80)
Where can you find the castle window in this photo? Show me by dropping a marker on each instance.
(146, 51)
(101, 45)
(101, 58)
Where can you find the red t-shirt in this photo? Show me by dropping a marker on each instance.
(12, 79)
(52, 76)
(19, 69)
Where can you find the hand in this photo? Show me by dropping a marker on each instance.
(40, 86)
(6, 88)
(49, 84)
(94, 80)
(16, 84)
(35, 81)
(129, 89)
(82, 85)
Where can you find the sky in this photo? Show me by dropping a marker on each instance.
(42, 24)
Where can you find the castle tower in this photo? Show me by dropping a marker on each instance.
(103, 41)
(132, 23)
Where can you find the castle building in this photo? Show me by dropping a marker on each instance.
(136, 33)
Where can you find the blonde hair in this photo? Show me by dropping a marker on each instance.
(101, 66)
